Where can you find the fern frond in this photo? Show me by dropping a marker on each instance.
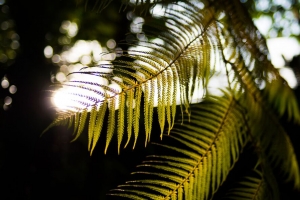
(111, 122)
(211, 135)
(250, 187)
(247, 61)
(271, 140)
(130, 101)
(121, 119)
(92, 124)
(81, 123)
(286, 102)
(206, 153)
(245, 53)
(255, 183)
(98, 126)
(67, 118)
(166, 75)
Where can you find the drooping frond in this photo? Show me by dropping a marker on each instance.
(162, 74)
(207, 148)
(286, 102)
(272, 141)
(253, 185)
(245, 54)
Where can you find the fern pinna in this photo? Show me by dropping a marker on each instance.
(199, 39)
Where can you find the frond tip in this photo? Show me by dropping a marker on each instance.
(253, 185)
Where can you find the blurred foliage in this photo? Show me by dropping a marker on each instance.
(9, 39)
(91, 24)
(96, 23)
(100, 5)
(283, 15)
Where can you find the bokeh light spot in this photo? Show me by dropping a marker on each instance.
(138, 20)
(11, 54)
(130, 15)
(12, 89)
(86, 59)
(48, 51)
(15, 36)
(60, 76)
(59, 100)
(3, 58)
(64, 40)
(65, 25)
(111, 43)
(264, 24)
(7, 100)
(119, 51)
(282, 47)
(289, 76)
(2, 2)
(73, 29)
(5, 9)
(15, 44)
(158, 10)
(5, 107)
(4, 83)
(141, 37)
(4, 25)
(56, 58)
(64, 69)
(69, 28)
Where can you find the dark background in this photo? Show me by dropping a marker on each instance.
(34, 167)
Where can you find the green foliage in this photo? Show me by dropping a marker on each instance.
(208, 149)
(281, 14)
(156, 69)
(253, 185)
(208, 138)
(9, 39)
